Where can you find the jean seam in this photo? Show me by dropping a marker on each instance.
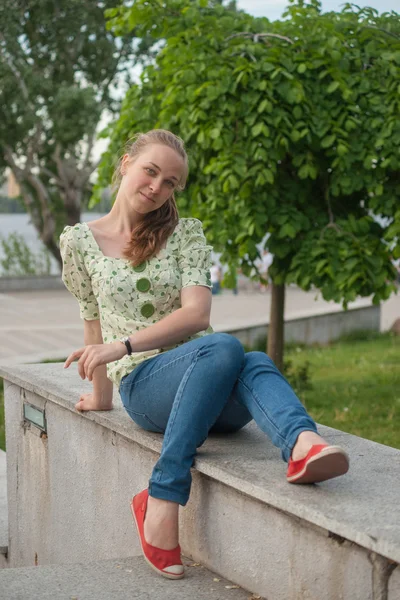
(264, 413)
(151, 422)
(163, 367)
(178, 397)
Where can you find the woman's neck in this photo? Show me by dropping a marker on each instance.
(120, 220)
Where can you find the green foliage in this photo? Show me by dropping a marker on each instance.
(298, 376)
(355, 387)
(57, 61)
(58, 69)
(292, 129)
(18, 259)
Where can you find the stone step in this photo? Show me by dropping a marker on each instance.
(114, 580)
(338, 540)
(3, 510)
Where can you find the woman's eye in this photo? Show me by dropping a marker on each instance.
(150, 171)
(170, 183)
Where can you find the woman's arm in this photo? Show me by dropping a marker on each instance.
(192, 317)
(101, 398)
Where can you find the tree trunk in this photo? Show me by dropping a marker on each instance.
(41, 212)
(53, 248)
(276, 324)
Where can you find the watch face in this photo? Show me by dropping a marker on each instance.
(124, 339)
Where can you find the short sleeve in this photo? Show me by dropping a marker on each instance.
(194, 255)
(75, 275)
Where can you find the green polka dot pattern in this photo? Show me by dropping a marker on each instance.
(127, 299)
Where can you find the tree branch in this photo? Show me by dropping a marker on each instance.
(256, 36)
(26, 195)
(86, 160)
(33, 145)
(109, 80)
(46, 225)
(396, 37)
(51, 175)
(7, 59)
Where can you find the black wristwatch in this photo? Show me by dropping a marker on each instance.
(126, 341)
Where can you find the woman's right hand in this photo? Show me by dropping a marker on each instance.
(88, 402)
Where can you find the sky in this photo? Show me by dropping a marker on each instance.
(273, 9)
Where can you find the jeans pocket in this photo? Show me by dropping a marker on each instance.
(143, 421)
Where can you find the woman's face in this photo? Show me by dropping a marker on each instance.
(150, 179)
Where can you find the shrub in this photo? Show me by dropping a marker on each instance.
(18, 258)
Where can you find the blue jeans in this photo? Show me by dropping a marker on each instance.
(208, 385)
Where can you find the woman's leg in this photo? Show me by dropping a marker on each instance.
(182, 392)
(262, 393)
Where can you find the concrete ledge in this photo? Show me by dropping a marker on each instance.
(69, 493)
(114, 580)
(316, 326)
(30, 282)
(3, 511)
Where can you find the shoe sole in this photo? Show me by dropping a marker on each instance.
(328, 464)
(163, 573)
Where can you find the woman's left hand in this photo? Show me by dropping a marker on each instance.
(95, 355)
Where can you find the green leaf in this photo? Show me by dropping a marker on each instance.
(332, 87)
(287, 230)
(328, 141)
(257, 129)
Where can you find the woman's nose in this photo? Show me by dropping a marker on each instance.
(155, 185)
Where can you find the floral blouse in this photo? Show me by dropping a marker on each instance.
(126, 298)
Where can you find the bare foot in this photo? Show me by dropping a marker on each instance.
(161, 525)
(304, 442)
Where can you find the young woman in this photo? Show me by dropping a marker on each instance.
(141, 277)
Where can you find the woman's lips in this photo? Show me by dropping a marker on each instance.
(147, 197)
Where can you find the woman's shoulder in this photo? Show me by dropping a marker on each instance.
(74, 234)
(77, 230)
(188, 226)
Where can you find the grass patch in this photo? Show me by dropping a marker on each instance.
(355, 385)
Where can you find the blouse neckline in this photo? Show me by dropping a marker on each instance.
(163, 251)
(100, 250)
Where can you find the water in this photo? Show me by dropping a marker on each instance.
(11, 223)
(20, 223)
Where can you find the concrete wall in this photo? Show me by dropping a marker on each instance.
(317, 328)
(69, 492)
(30, 282)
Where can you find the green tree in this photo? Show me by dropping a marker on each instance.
(58, 66)
(292, 129)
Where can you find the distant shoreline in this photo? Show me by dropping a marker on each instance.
(20, 223)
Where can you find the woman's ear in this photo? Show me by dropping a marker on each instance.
(124, 164)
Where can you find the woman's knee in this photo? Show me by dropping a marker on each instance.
(227, 348)
(257, 358)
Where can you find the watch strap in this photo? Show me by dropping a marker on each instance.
(128, 345)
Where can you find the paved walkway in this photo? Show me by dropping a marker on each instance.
(37, 325)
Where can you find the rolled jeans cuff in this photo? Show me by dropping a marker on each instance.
(161, 493)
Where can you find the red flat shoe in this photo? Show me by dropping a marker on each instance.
(321, 463)
(165, 562)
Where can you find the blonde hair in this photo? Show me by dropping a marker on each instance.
(151, 234)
